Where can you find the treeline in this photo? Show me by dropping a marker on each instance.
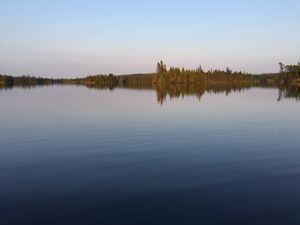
(96, 81)
(10, 81)
(136, 79)
(163, 76)
(121, 80)
(289, 81)
(176, 75)
(289, 74)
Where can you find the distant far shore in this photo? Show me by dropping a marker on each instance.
(288, 75)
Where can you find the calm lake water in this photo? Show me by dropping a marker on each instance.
(73, 155)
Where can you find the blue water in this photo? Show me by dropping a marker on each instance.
(73, 155)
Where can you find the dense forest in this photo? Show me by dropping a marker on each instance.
(186, 76)
(10, 81)
(288, 75)
(199, 76)
(289, 81)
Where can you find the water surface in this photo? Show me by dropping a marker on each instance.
(73, 155)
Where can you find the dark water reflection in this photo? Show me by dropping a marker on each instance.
(182, 90)
(289, 91)
(106, 155)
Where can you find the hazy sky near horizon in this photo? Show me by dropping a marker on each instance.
(64, 38)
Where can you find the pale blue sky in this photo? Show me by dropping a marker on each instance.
(76, 38)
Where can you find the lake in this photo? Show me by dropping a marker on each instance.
(76, 155)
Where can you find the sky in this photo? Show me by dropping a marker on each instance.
(68, 38)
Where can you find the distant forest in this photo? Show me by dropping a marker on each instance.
(199, 76)
(288, 75)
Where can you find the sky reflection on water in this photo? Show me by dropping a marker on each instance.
(73, 155)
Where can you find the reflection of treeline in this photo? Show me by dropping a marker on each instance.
(177, 91)
(182, 90)
(289, 91)
(289, 74)
(176, 75)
